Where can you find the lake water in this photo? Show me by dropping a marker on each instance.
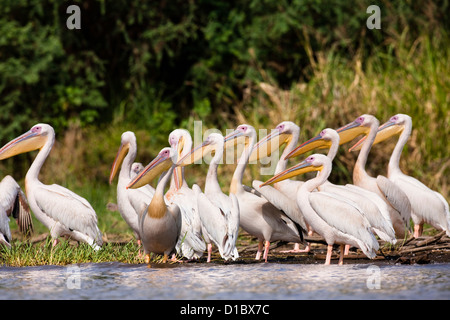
(197, 281)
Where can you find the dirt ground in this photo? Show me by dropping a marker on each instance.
(423, 250)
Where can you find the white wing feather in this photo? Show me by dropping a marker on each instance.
(68, 208)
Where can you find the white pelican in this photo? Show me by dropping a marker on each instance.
(335, 220)
(426, 205)
(372, 206)
(190, 244)
(258, 216)
(13, 203)
(398, 203)
(63, 212)
(130, 202)
(218, 212)
(285, 132)
(136, 168)
(160, 224)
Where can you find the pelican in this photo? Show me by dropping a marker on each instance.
(160, 224)
(397, 201)
(130, 202)
(62, 211)
(258, 216)
(218, 212)
(136, 168)
(336, 220)
(13, 203)
(426, 205)
(284, 191)
(190, 244)
(372, 206)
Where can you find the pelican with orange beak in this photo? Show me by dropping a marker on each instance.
(331, 217)
(218, 212)
(427, 206)
(397, 201)
(160, 223)
(63, 212)
(130, 202)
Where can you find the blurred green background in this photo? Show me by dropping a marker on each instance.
(153, 66)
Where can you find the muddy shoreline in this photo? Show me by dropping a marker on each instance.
(426, 249)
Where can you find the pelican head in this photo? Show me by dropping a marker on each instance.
(213, 142)
(394, 126)
(315, 162)
(241, 135)
(128, 138)
(283, 133)
(178, 140)
(163, 162)
(361, 125)
(136, 168)
(31, 140)
(322, 141)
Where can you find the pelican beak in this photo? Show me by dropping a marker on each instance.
(385, 131)
(123, 150)
(267, 145)
(178, 171)
(27, 142)
(302, 167)
(350, 131)
(196, 154)
(234, 138)
(160, 164)
(315, 143)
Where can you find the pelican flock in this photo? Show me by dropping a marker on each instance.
(171, 218)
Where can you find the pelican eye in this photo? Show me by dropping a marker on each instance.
(36, 129)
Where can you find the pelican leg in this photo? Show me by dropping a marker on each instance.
(310, 230)
(266, 250)
(298, 250)
(258, 253)
(341, 254)
(55, 242)
(165, 258)
(147, 258)
(347, 249)
(418, 230)
(329, 252)
(139, 245)
(209, 252)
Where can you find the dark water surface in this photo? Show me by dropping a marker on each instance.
(274, 281)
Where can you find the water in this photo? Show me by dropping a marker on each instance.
(258, 281)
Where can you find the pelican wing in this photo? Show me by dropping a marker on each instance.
(214, 220)
(68, 208)
(396, 197)
(15, 203)
(428, 204)
(190, 241)
(281, 202)
(339, 214)
(373, 208)
(5, 232)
